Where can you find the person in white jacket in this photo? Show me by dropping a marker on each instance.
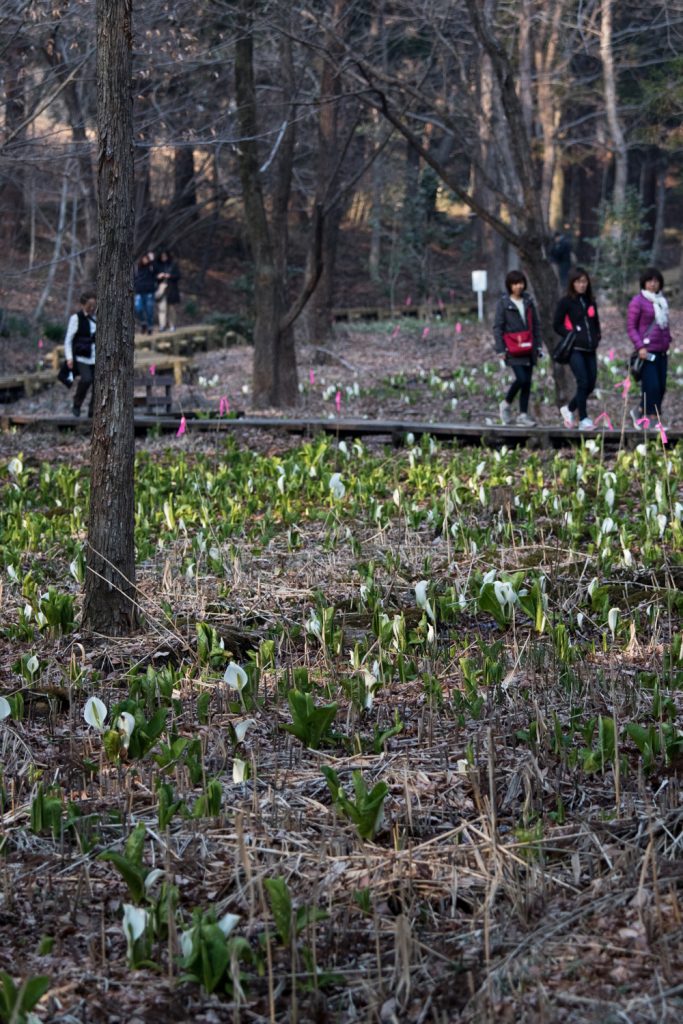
(79, 349)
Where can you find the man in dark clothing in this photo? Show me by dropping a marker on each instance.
(561, 254)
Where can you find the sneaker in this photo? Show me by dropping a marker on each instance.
(586, 423)
(76, 410)
(524, 420)
(505, 410)
(567, 417)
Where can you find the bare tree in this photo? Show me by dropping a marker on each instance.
(109, 605)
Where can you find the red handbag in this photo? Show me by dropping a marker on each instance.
(520, 343)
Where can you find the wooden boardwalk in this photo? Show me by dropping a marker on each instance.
(398, 432)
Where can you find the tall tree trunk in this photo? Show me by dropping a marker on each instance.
(274, 372)
(54, 53)
(109, 606)
(612, 111)
(12, 199)
(184, 183)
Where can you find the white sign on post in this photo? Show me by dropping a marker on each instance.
(479, 285)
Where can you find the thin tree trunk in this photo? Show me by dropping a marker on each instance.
(611, 110)
(109, 605)
(57, 249)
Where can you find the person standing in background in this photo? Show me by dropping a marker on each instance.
(144, 284)
(79, 349)
(560, 253)
(167, 292)
(648, 329)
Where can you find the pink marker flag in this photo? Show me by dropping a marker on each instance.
(441, 303)
(153, 369)
(40, 343)
(425, 333)
(458, 327)
(607, 420)
(625, 386)
(337, 401)
(611, 354)
(409, 301)
(311, 377)
(223, 406)
(662, 433)
(181, 428)
(643, 422)
(395, 331)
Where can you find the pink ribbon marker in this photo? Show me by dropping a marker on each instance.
(611, 354)
(605, 417)
(662, 433)
(181, 428)
(643, 422)
(337, 401)
(409, 301)
(425, 333)
(458, 327)
(223, 406)
(153, 369)
(625, 386)
(395, 332)
(40, 342)
(441, 303)
(311, 377)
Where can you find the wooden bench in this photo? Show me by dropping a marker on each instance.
(158, 396)
(144, 361)
(26, 384)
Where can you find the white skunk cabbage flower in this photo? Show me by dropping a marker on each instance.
(125, 723)
(242, 727)
(235, 677)
(612, 619)
(505, 593)
(337, 488)
(95, 713)
(5, 709)
(134, 924)
(239, 770)
(228, 923)
(314, 626)
(421, 599)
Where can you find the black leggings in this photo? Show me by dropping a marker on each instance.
(522, 385)
(86, 373)
(585, 368)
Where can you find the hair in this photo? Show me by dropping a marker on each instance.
(86, 296)
(165, 251)
(514, 277)
(574, 274)
(648, 274)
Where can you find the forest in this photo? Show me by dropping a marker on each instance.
(338, 726)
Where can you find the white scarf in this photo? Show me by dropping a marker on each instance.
(661, 307)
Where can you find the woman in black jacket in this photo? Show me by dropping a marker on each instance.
(516, 329)
(577, 311)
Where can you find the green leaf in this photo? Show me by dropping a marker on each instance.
(281, 907)
(133, 876)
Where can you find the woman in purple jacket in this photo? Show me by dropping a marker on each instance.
(648, 329)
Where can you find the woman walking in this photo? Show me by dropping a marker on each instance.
(648, 329)
(516, 329)
(577, 312)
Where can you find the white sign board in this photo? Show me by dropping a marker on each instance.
(479, 285)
